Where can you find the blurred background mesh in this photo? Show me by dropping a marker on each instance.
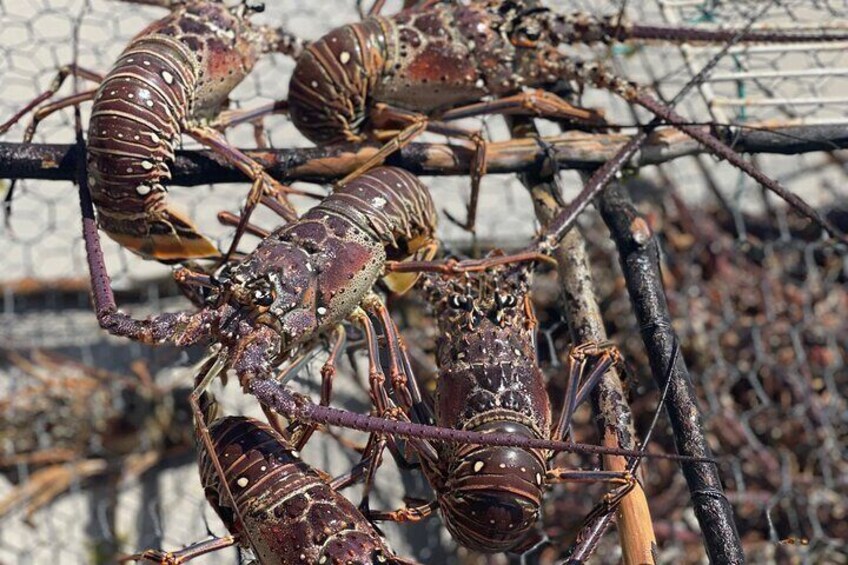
(758, 299)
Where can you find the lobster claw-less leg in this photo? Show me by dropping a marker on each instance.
(262, 182)
(453, 267)
(184, 555)
(328, 374)
(47, 109)
(604, 355)
(55, 85)
(383, 404)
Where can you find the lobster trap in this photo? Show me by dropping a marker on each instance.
(756, 296)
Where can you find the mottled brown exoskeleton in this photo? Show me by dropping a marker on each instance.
(489, 380)
(438, 62)
(172, 78)
(271, 501)
(299, 283)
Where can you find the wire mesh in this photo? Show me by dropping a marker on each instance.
(757, 301)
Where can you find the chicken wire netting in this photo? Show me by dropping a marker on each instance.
(757, 298)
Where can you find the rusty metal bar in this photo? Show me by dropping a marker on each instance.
(571, 150)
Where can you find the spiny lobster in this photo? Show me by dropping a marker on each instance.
(434, 63)
(487, 456)
(300, 282)
(270, 500)
(172, 77)
(489, 381)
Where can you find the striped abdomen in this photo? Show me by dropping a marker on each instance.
(291, 516)
(331, 87)
(179, 69)
(492, 495)
(135, 125)
(391, 204)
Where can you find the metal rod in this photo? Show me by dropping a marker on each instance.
(572, 150)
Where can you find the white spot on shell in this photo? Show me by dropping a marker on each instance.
(242, 482)
(129, 169)
(146, 165)
(344, 57)
(167, 77)
(263, 468)
(538, 478)
(479, 83)
(502, 465)
(378, 202)
(478, 466)
(130, 95)
(143, 189)
(295, 453)
(146, 63)
(149, 103)
(314, 84)
(321, 310)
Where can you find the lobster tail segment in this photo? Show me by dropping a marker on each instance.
(166, 235)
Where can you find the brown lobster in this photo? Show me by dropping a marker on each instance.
(398, 76)
(270, 500)
(172, 77)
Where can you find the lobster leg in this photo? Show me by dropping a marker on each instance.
(598, 519)
(230, 118)
(537, 103)
(373, 455)
(414, 513)
(55, 85)
(328, 373)
(232, 220)
(184, 555)
(605, 356)
(261, 180)
(452, 266)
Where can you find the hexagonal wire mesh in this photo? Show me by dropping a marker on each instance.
(755, 300)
